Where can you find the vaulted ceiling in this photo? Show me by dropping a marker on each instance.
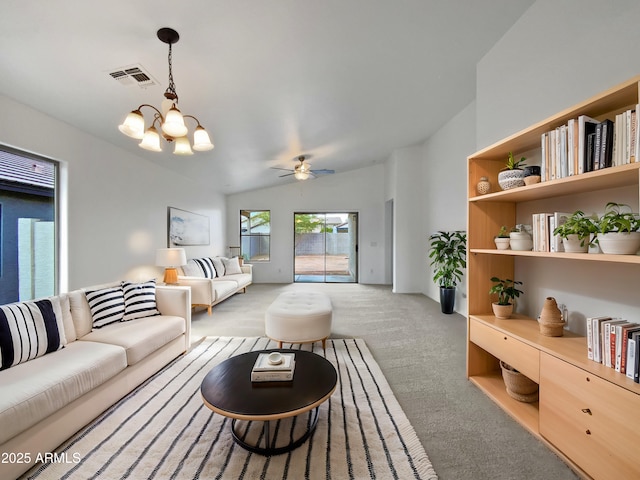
(344, 81)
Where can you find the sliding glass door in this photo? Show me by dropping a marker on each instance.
(326, 247)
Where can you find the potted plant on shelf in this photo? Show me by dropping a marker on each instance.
(618, 230)
(576, 232)
(520, 238)
(512, 175)
(507, 291)
(448, 254)
(502, 239)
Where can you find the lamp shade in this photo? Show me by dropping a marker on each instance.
(133, 125)
(173, 124)
(201, 140)
(151, 140)
(171, 257)
(183, 147)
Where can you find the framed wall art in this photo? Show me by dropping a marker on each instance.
(186, 228)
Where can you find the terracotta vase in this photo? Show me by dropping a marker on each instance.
(551, 321)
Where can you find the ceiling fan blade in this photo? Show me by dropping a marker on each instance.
(286, 174)
(278, 168)
(323, 171)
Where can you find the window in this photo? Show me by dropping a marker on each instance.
(255, 235)
(28, 228)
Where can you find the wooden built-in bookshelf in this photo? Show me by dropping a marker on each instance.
(578, 412)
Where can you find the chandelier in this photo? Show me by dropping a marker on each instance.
(170, 120)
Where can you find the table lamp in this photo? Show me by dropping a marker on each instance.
(170, 258)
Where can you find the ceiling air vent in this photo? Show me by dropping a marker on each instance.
(133, 75)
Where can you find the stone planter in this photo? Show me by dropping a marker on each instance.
(502, 243)
(508, 179)
(619, 243)
(572, 244)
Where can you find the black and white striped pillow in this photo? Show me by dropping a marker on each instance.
(28, 330)
(139, 300)
(206, 265)
(106, 305)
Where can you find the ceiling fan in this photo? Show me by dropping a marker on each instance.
(303, 170)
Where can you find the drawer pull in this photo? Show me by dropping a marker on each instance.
(588, 379)
(588, 432)
(587, 410)
(505, 338)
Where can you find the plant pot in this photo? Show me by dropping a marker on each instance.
(619, 243)
(502, 243)
(447, 299)
(571, 244)
(531, 174)
(502, 311)
(521, 241)
(508, 179)
(518, 385)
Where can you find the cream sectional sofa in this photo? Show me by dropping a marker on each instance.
(45, 400)
(214, 279)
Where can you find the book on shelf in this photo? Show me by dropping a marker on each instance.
(616, 344)
(595, 340)
(586, 127)
(626, 335)
(607, 354)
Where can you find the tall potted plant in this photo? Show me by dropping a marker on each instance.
(448, 254)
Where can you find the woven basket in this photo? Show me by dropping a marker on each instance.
(519, 386)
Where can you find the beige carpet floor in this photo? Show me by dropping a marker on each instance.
(422, 355)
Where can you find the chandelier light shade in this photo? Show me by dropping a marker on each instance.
(170, 119)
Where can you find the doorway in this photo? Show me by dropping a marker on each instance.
(325, 247)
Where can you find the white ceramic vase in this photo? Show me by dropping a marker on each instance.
(521, 241)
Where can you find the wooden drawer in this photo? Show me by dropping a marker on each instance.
(518, 354)
(592, 421)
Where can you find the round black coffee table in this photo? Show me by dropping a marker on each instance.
(228, 390)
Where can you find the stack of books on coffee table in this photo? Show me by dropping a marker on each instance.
(270, 367)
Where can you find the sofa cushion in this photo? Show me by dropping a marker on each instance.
(139, 300)
(106, 305)
(139, 337)
(34, 390)
(231, 266)
(223, 288)
(192, 269)
(218, 265)
(29, 330)
(67, 319)
(241, 280)
(200, 267)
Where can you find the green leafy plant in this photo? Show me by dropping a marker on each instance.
(513, 164)
(507, 290)
(448, 254)
(578, 224)
(503, 233)
(618, 217)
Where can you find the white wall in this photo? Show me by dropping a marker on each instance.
(444, 190)
(556, 55)
(116, 210)
(403, 186)
(360, 191)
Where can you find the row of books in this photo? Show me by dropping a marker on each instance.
(616, 344)
(542, 227)
(585, 144)
(265, 371)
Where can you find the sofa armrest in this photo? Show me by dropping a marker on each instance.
(201, 289)
(176, 301)
(246, 268)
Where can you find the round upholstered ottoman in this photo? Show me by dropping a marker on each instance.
(299, 317)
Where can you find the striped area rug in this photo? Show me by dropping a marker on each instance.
(162, 430)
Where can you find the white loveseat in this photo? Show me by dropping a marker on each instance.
(214, 279)
(45, 400)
